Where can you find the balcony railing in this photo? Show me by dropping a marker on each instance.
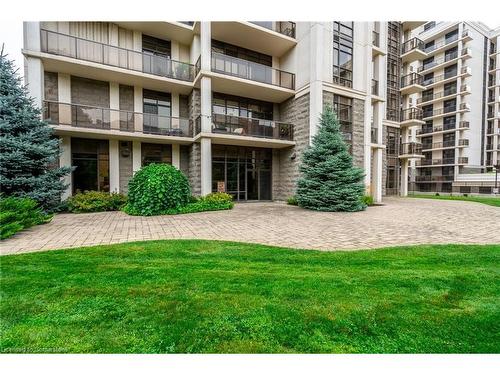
(444, 178)
(444, 144)
(439, 78)
(466, 51)
(448, 161)
(411, 114)
(283, 27)
(441, 94)
(374, 87)
(106, 54)
(83, 116)
(438, 128)
(411, 79)
(250, 127)
(436, 62)
(412, 44)
(440, 111)
(245, 69)
(376, 38)
(411, 148)
(442, 43)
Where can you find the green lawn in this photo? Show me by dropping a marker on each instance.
(207, 296)
(491, 201)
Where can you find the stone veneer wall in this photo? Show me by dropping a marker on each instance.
(194, 155)
(285, 169)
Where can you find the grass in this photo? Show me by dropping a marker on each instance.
(193, 296)
(491, 201)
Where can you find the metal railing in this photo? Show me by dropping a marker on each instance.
(411, 79)
(437, 62)
(411, 148)
(245, 69)
(443, 178)
(441, 94)
(376, 38)
(374, 87)
(439, 111)
(439, 78)
(448, 161)
(283, 27)
(412, 44)
(437, 128)
(106, 54)
(441, 43)
(466, 51)
(444, 144)
(411, 114)
(250, 127)
(84, 116)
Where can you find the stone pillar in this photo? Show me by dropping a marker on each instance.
(114, 166)
(367, 144)
(404, 178)
(138, 108)
(316, 77)
(176, 155)
(206, 45)
(377, 175)
(64, 97)
(114, 105)
(65, 161)
(206, 105)
(206, 166)
(136, 156)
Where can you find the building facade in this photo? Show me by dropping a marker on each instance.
(234, 104)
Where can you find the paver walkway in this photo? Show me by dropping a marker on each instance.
(398, 222)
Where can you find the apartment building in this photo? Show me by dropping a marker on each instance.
(452, 68)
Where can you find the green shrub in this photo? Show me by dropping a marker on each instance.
(437, 194)
(292, 201)
(19, 213)
(367, 200)
(96, 201)
(156, 189)
(210, 202)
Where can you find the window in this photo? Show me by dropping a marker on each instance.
(156, 153)
(451, 36)
(241, 107)
(155, 46)
(451, 54)
(342, 53)
(450, 71)
(343, 107)
(157, 110)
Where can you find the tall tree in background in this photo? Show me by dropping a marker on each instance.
(329, 181)
(28, 149)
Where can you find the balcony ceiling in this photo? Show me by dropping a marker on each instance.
(254, 37)
(163, 30)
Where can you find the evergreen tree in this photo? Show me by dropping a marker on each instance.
(329, 182)
(28, 149)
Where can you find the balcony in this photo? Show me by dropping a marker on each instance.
(376, 49)
(376, 92)
(462, 125)
(411, 84)
(443, 178)
(107, 122)
(411, 117)
(271, 38)
(466, 35)
(466, 53)
(441, 162)
(286, 28)
(446, 77)
(239, 77)
(410, 150)
(236, 130)
(439, 145)
(437, 96)
(412, 50)
(443, 43)
(439, 63)
(106, 62)
(440, 112)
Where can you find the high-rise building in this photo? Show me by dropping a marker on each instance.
(234, 104)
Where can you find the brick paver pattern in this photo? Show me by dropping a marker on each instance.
(397, 222)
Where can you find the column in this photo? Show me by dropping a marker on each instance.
(65, 161)
(34, 79)
(114, 166)
(176, 155)
(377, 175)
(114, 105)
(367, 144)
(64, 97)
(404, 178)
(138, 108)
(175, 122)
(136, 156)
(206, 166)
(316, 77)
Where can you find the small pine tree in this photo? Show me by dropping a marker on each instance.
(27, 146)
(329, 182)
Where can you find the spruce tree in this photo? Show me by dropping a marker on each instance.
(28, 148)
(329, 181)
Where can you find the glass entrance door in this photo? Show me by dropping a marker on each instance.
(245, 173)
